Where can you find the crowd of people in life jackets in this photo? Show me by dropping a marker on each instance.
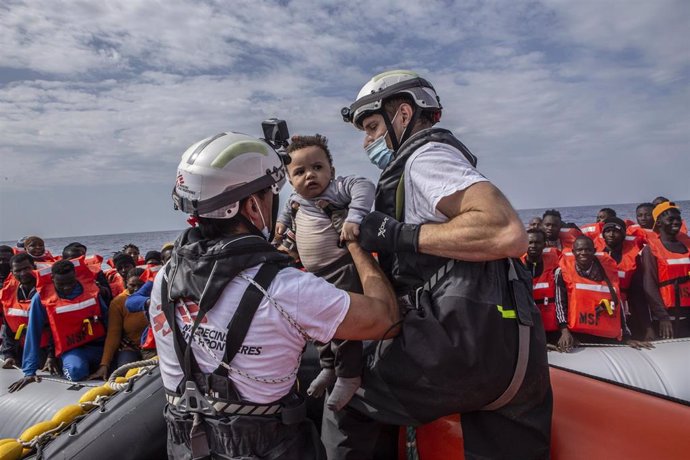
(610, 281)
(613, 280)
(66, 315)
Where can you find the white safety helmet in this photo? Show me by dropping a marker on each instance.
(215, 174)
(384, 85)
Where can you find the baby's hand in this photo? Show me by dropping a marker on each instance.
(350, 232)
(280, 230)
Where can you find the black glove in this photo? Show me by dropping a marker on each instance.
(381, 233)
(21, 383)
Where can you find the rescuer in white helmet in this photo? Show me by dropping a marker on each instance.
(471, 341)
(231, 319)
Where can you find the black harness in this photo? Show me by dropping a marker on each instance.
(199, 270)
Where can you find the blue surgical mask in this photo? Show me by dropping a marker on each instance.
(378, 152)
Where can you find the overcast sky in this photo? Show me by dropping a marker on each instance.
(564, 102)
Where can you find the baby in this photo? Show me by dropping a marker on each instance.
(323, 212)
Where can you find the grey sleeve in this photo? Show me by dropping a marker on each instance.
(361, 193)
(285, 216)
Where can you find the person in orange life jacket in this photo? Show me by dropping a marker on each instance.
(36, 248)
(542, 262)
(643, 215)
(593, 231)
(665, 266)
(76, 362)
(76, 250)
(624, 252)
(133, 251)
(662, 199)
(6, 254)
(605, 213)
(138, 303)
(626, 255)
(20, 288)
(124, 330)
(20, 244)
(558, 234)
(166, 252)
(153, 258)
(603, 321)
(152, 266)
(116, 276)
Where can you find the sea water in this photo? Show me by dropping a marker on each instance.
(106, 245)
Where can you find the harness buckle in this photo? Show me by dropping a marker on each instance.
(192, 400)
(418, 297)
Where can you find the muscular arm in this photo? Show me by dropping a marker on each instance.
(483, 226)
(372, 314)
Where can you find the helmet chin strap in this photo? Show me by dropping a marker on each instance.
(406, 133)
(253, 229)
(250, 225)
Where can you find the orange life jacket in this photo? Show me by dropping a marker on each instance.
(17, 312)
(73, 322)
(140, 261)
(633, 233)
(94, 263)
(544, 288)
(150, 272)
(592, 309)
(117, 284)
(47, 257)
(674, 274)
(40, 265)
(593, 231)
(640, 234)
(149, 341)
(626, 268)
(567, 237)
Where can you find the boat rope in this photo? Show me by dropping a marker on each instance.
(411, 443)
(62, 381)
(33, 439)
(123, 370)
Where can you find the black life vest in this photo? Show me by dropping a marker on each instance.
(199, 270)
(410, 270)
(458, 344)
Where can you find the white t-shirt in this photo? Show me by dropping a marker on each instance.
(435, 171)
(272, 347)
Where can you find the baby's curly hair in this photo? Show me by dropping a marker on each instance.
(317, 140)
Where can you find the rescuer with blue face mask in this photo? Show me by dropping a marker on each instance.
(446, 238)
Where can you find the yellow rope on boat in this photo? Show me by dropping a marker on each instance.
(42, 432)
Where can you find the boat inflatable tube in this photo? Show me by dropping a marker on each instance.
(618, 402)
(123, 424)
